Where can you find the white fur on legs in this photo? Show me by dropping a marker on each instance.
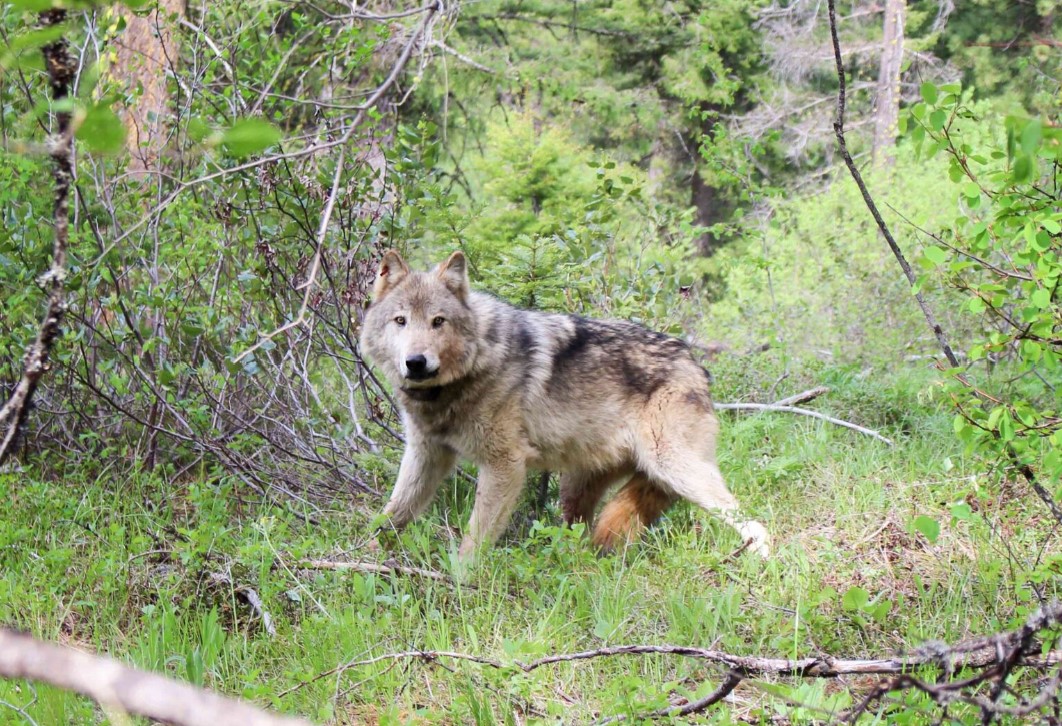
(423, 469)
(700, 482)
(754, 534)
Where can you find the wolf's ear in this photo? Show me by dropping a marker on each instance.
(393, 269)
(454, 274)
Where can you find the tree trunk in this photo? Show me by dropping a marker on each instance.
(887, 111)
(145, 51)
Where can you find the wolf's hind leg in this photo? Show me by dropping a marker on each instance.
(424, 467)
(580, 491)
(635, 507)
(698, 480)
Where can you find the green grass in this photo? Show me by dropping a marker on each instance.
(120, 563)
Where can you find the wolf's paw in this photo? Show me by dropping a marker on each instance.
(755, 534)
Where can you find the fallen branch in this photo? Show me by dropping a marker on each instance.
(995, 655)
(119, 687)
(975, 653)
(802, 412)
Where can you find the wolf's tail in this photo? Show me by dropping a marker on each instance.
(635, 507)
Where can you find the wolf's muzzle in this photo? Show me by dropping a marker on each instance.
(417, 368)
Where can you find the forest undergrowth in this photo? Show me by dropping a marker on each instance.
(876, 548)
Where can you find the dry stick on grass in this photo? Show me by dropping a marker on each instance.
(938, 332)
(802, 412)
(725, 688)
(62, 67)
(119, 687)
(786, 405)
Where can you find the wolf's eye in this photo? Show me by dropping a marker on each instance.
(437, 322)
(400, 320)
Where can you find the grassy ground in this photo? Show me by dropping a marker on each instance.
(116, 562)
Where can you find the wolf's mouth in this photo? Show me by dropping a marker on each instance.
(422, 375)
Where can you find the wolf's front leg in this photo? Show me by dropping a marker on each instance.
(497, 492)
(424, 466)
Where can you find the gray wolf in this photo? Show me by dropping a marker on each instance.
(601, 402)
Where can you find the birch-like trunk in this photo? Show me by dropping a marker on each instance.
(887, 108)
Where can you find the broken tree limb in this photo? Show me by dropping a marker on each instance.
(802, 412)
(62, 67)
(973, 653)
(725, 688)
(993, 657)
(117, 686)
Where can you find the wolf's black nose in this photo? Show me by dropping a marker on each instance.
(416, 365)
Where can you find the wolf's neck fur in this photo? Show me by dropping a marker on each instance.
(424, 394)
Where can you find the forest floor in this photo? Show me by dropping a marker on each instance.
(876, 549)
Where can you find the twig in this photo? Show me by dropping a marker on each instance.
(992, 653)
(117, 686)
(326, 214)
(974, 653)
(725, 689)
(802, 412)
(462, 57)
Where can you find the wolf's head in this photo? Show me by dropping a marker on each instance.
(420, 330)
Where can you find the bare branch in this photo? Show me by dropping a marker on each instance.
(838, 129)
(326, 214)
(117, 686)
(938, 331)
(802, 412)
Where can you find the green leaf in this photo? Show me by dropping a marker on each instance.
(936, 255)
(101, 130)
(1040, 298)
(937, 120)
(928, 526)
(1031, 136)
(1023, 168)
(929, 92)
(855, 598)
(249, 136)
(1006, 427)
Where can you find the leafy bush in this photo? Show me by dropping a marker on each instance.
(1002, 253)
